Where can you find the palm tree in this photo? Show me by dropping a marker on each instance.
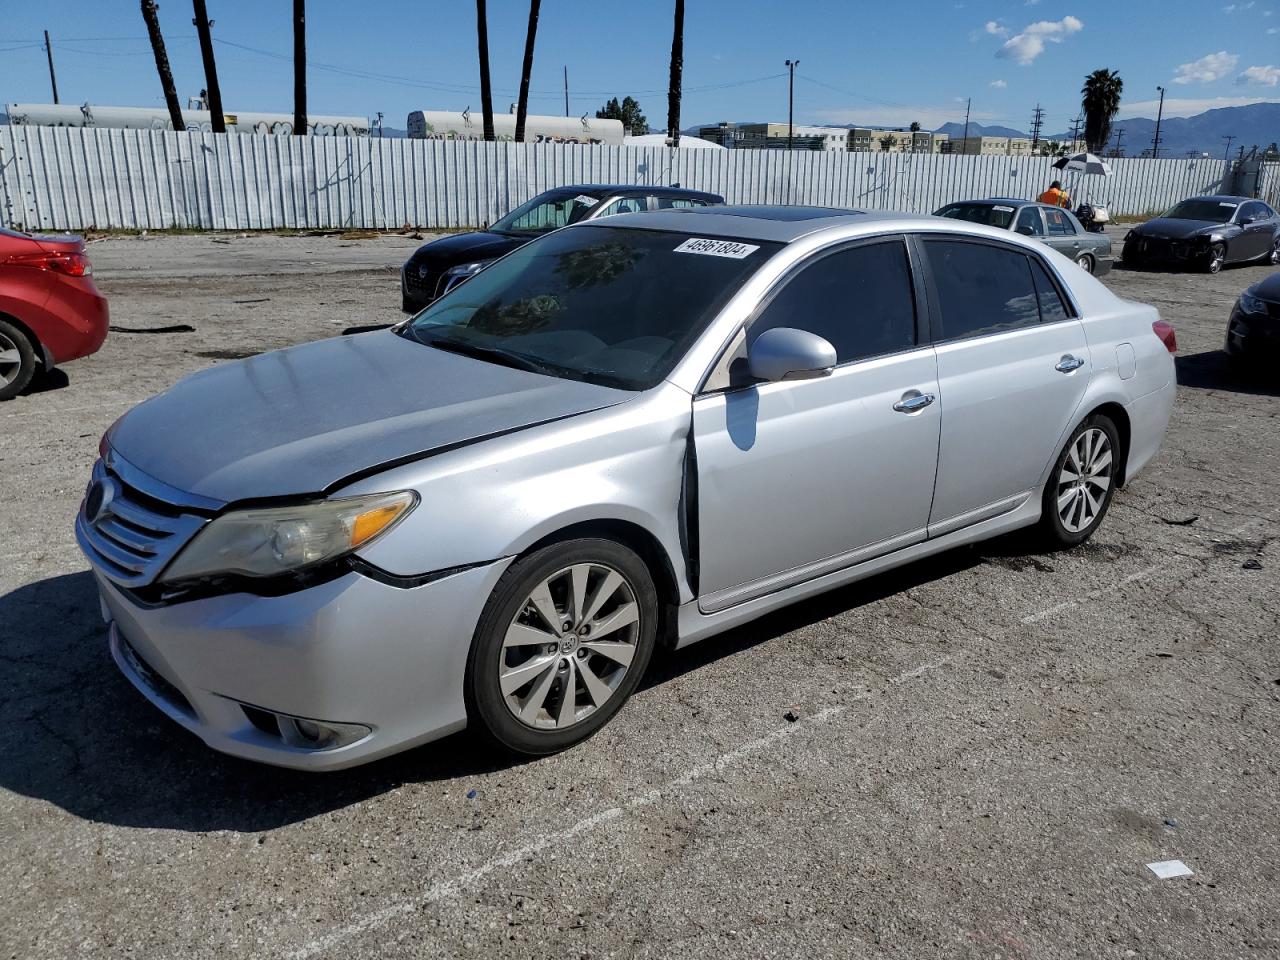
(486, 94)
(677, 69)
(522, 105)
(162, 63)
(299, 68)
(1100, 100)
(213, 95)
(915, 126)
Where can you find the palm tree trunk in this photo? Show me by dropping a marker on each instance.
(522, 104)
(486, 94)
(213, 93)
(677, 70)
(162, 64)
(299, 68)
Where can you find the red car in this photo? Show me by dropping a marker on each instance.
(50, 311)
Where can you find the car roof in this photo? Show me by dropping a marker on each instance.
(781, 224)
(633, 189)
(1220, 197)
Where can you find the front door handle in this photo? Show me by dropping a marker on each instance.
(1068, 363)
(914, 402)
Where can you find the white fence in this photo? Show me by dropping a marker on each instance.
(59, 178)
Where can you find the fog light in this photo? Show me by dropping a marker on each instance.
(315, 734)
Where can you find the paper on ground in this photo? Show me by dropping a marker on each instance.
(1168, 869)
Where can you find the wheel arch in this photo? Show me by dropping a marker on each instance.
(42, 355)
(645, 545)
(1117, 414)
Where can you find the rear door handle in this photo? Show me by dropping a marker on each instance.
(913, 401)
(1068, 363)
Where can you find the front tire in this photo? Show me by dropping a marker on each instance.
(1274, 256)
(1085, 262)
(18, 361)
(1081, 484)
(561, 645)
(1217, 258)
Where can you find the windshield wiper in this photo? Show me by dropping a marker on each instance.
(493, 354)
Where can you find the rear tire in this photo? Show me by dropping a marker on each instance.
(1081, 485)
(1085, 262)
(537, 687)
(18, 361)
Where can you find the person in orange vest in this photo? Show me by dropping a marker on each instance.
(1055, 196)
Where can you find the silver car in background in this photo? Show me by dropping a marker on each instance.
(1055, 227)
(646, 430)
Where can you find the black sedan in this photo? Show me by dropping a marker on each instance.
(1208, 233)
(437, 266)
(1253, 332)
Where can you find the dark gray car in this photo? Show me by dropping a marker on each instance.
(1056, 227)
(1207, 232)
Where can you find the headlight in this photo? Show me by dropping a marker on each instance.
(1251, 304)
(467, 269)
(273, 540)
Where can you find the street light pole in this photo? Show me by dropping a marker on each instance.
(791, 100)
(53, 80)
(1155, 143)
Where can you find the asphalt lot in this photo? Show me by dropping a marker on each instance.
(989, 746)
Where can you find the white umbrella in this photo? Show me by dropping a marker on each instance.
(1084, 163)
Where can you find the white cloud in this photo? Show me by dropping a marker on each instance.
(929, 116)
(1273, 29)
(999, 84)
(1188, 107)
(995, 29)
(1262, 76)
(1210, 67)
(1029, 44)
(1032, 3)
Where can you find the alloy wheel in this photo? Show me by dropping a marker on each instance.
(10, 361)
(1085, 480)
(1275, 251)
(1217, 257)
(1086, 262)
(569, 646)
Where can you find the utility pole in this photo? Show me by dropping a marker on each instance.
(1119, 139)
(791, 100)
(299, 68)
(1075, 133)
(214, 104)
(1155, 142)
(162, 64)
(1037, 121)
(965, 139)
(1226, 154)
(53, 80)
(379, 124)
(566, 89)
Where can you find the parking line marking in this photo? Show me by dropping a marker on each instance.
(446, 888)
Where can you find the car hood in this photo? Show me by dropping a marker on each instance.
(1269, 289)
(1169, 228)
(466, 247)
(299, 421)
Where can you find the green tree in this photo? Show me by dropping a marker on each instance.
(633, 121)
(1100, 100)
(915, 126)
(887, 142)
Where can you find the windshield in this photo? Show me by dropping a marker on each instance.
(546, 212)
(1210, 211)
(993, 215)
(602, 304)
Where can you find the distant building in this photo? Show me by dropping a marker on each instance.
(773, 136)
(992, 146)
(866, 140)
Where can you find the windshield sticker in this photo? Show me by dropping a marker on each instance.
(1229, 206)
(717, 248)
(1003, 209)
(585, 200)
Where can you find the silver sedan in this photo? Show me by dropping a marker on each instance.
(640, 431)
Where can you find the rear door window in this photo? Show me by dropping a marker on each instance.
(1060, 224)
(859, 299)
(982, 289)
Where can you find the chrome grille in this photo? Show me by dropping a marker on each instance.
(128, 532)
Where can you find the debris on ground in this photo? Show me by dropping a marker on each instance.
(1252, 564)
(1168, 869)
(1181, 523)
(173, 328)
(792, 715)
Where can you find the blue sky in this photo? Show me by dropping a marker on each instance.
(859, 62)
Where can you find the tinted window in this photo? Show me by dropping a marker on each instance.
(981, 288)
(1258, 211)
(1210, 211)
(621, 205)
(1052, 308)
(546, 212)
(993, 215)
(597, 303)
(1059, 223)
(1029, 222)
(860, 299)
(674, 203)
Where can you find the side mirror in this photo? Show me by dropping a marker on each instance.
(785, 353)
(1245, 221)
(1026, 231)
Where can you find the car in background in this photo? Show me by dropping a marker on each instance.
(1055, 227)
(437, 267)
(50, 310)
(638, 430)
(1207, 233)
(1253, 332)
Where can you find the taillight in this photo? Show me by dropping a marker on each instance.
(71, 264)
(1165, 332)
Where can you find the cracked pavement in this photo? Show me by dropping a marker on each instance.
(987, 747)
